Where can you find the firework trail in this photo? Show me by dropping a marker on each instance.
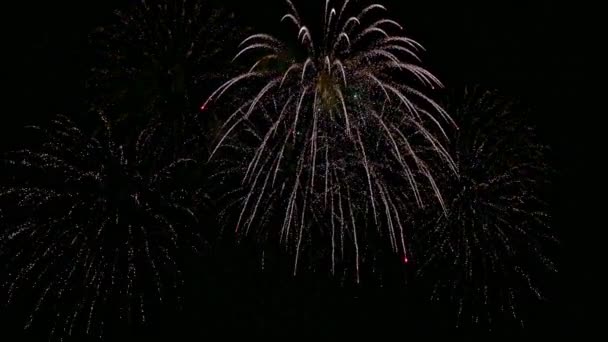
(337, 128)
(92, 227)
(490, 243)
(342, 226)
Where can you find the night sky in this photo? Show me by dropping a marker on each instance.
(528, 50)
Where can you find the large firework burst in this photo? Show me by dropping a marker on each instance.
(490, 242)
(92, 226)
(337, 130)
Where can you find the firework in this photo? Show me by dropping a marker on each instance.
(93, 226)
(491, 241)
(160, 54)
(340, 227)
(336, 129)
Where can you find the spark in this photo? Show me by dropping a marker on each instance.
(172, 47)
(495, 220)
(96, 223)
(339, 129)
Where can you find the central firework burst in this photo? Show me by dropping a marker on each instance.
(337, 130)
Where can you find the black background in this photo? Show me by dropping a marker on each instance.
(533, 50)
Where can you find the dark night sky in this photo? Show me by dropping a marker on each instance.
(524, 48)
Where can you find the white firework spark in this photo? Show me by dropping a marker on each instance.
(339, 130)
(91, 225)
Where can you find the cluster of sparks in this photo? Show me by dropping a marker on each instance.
(159, 52)
(490, 241)
(89, 213)
(338, 130)
(334, 152)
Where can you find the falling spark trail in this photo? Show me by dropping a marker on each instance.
(341, 115)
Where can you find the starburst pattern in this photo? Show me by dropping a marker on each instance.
(342, 124)
(93, 225)
(487, 249)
